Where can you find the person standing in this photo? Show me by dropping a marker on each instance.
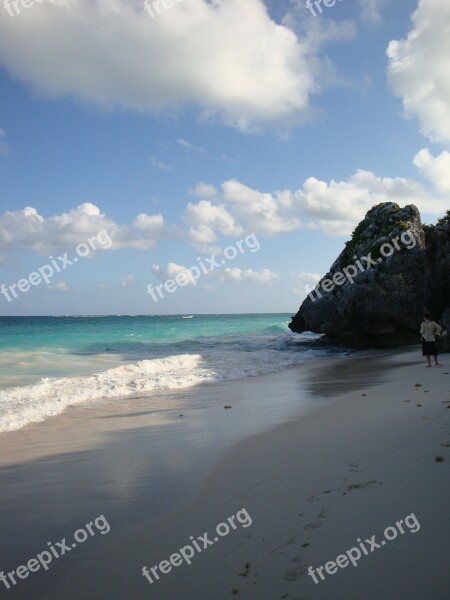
(429, 329)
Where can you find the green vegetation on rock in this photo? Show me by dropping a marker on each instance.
(385, 225)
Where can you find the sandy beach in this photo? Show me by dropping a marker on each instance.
(308, 460)
(224, 290)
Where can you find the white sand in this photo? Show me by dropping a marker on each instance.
(346, 471)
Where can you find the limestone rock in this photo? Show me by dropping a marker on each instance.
(400, 268)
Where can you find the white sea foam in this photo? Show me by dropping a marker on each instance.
(51, 396)
(32, 403)
(24, 367)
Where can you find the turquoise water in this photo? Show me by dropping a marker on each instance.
(47, 363)
(112, 333)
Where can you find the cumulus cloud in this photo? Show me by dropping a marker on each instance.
(203, 190)
(436, 170)
(234, 210)
(227, 58)
(236, 275)
(304, 283)
(27, 230)
(206, 218)
(171, 270)
(419, 68)
(265, 213)
(228, 275)
(334, 207)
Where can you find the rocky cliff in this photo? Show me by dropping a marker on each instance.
(375, 293)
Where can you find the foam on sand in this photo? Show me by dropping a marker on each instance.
(49, 397)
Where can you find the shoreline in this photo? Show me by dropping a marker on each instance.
(241, 468)
(51, 378)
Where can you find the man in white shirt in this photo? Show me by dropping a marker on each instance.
(429, 329)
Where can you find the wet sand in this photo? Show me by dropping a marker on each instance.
(315, 463)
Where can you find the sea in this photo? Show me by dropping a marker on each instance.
(50, 363)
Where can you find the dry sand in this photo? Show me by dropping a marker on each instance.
(363, 459)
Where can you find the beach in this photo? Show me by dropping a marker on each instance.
(224, 291)
(318, 456)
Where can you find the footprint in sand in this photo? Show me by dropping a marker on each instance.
(265, 484)
(316, 523)
(360, 486)
(313, 525)
(299, 570)
(319, 495)
(278, 550)
(354, 467)
(295, 574)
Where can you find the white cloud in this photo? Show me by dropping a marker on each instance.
(203, 190)
(371, 10)
(436, 170)
(304, 283)
(205, 219)
(228, 58)
(228, 275)
(334, 207)
(234, 210)
(265, 213)
(159, 164)
(104, 286)
(171, 271)
(188, 146)
(126, 281)
(149, 223)
(419, 68)
(316, 32)
(59, 287)
(236, 275)
(27, 230)
(207, 249)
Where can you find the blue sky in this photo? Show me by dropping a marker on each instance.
(211, 122)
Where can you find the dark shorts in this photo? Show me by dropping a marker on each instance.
(429, 348)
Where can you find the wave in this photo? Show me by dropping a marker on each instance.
(88, 377)
(50, 397)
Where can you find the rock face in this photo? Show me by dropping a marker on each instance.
(375, 293)
(445, 323)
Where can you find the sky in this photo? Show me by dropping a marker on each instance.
(234, 144)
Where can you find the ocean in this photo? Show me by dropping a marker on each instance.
(49, 363)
